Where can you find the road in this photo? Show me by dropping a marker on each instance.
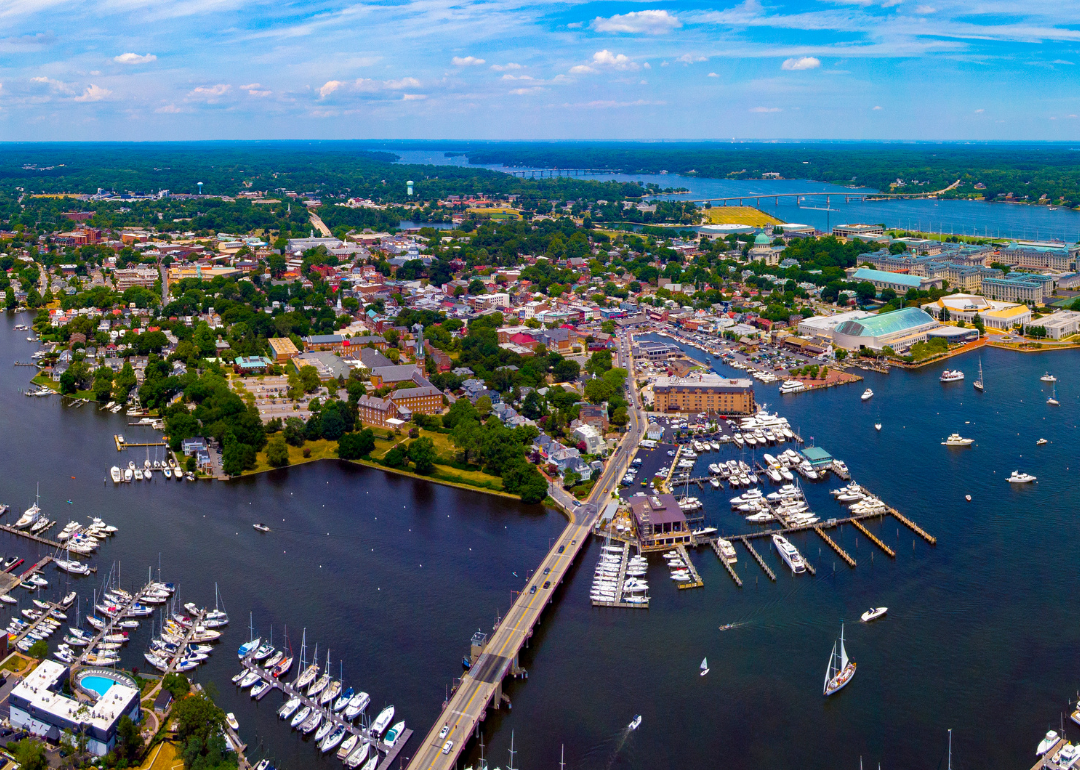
(320, 225)
(481, 683)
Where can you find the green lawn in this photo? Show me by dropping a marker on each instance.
(327, 450)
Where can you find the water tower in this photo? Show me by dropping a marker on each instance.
(409, 187)
(200, 187)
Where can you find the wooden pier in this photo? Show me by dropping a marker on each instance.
(619, 600)
(757, 557)
(913, 526)
(36, 538)
(727, 565)
(874, 538)
(1044, 760)
(832, 544)
(363, 730)
(121, 444)
(695, 579)
(110, 624)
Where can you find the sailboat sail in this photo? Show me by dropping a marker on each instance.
(829, 669)
(843, 655)
(704, 664)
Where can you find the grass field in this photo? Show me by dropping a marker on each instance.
(739, 215)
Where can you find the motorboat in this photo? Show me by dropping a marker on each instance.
(358, 755)
(1048, 378)
(393, 734)
(1047, 743)
(951, 375)
(382, 721)
(955, 439)
(261, 527)
(347, 746)
(247, 647)
(867, 394)
(117, 476)
(1041, 441)
(877, 426)
(789, 554)
(1021, 478)
(840, 670)
(873, 614)
(230, 720)
(636, 723)
(357, 704)
(257, 690)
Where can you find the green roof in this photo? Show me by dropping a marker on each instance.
(886, 323)
(866, 274)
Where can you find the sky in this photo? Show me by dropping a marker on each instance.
(145, 70)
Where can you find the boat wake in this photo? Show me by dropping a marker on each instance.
(614, 752)
(730, 626)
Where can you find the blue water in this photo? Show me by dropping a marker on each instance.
(98, 684)
(1006, 220)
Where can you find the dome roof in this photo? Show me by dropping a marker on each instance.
(762, 240)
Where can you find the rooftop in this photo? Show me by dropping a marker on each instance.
(886, 323)
(867, 274)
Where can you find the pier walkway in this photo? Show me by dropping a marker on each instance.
(715, 543)
(363, 730)
(110, 623)
(695, 579)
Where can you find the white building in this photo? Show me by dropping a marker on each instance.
(824, 325)
(38, 706)
(1059, 325)
(594, 442)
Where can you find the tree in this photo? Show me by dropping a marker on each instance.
(277, 451)
(396, 457)
(599, 362)
(865, 291)
(130, 741)
(309, 378)
(123, 383)
(294, 431)
(176, 684)
(566, 370)
(39, 649)
(68, 386)
(333, 426)
(841, 354)
(353, 446)
(522, 478)
(30, 754)
(423, 455)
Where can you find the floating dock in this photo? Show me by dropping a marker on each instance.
(121, 445)
(363, 731)
(727, 565)
(832, 544)
(619, 585)
(874, 538)
(695, 579)
(757, 557)
(913, 526)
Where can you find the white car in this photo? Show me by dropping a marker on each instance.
(442, 733)
(447, 747)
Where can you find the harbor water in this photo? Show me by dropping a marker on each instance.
(980, 636)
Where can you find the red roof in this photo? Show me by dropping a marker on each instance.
(522, 339)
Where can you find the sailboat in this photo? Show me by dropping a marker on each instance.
(1052, 401)
(979, 382)
(704, 666)
(840, 670)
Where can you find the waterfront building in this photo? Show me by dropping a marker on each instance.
(659, 521)
(898, 329)
(656, 351)
(898, 282)
(705, 392)
(994, 314)
(1059, 325)
(824, 325)
(38, 706)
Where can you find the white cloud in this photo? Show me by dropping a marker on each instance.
(980, 110)
(576, 25)
(94, 93)
(210, 93)
(878, 107)
(506, 67)
(638, 22)
(255, 89)
(398, 85)
(1061, 61)
(529, 90)
(605, 60)
(329, 87)
(765, 109)
(54, 85)
(801, 63)
(466, 61)
(517, 77)
(713, 75)
(169, 109)
(647, 66)
(690, 58)
(134, 58)
(925, 9)
(413, 97)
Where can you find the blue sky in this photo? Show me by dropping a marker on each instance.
(521, 69)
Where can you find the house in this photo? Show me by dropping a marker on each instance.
(594, 415)
(591, 438)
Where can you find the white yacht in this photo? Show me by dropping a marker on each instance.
(1020, 478)
(867, 394)
(1047, 743)
(117, 477)
(382, 721)
(873, 614)
(789, 554)
(791, 386)
(727, 550)
(951, 375)
(956, 439)
(1048, 378)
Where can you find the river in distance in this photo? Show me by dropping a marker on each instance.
(959, 217)
(980, 635)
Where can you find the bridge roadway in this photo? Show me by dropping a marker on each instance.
(479, 685)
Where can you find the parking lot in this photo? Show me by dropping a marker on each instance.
(272, 401)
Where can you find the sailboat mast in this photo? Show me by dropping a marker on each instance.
(950, 748)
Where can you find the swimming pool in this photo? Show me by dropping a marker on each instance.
(96, 684)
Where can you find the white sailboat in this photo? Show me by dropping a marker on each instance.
(704, 666)
(1052, 401)
(979, 382)
(840, 670)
